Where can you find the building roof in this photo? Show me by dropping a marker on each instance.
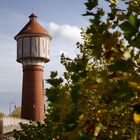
(32, 27)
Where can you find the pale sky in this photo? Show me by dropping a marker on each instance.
(63, 20)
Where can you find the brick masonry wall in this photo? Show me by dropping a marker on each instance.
(33, 93)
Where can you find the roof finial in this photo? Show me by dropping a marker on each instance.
(32, 16)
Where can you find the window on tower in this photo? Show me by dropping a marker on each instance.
(19, 48)
(34, 46)
(42, 47)
(48, 50)
(43, 84)
(26, 46)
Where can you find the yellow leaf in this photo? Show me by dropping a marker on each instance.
(136, 118)
(134, 85)
(81, 117)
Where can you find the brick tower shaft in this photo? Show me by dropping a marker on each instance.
(33, 101)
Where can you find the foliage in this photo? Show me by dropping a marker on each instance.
(99, 94)
(2, 114)
(16, 112)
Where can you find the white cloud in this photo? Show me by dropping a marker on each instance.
(65, 32)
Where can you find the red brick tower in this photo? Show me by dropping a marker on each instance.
(33, 52)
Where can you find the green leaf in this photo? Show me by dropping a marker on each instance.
(130, 27)
(133, 20)
(55, 82)
(137, 108)
(91, 4)
(126, 26)
(114, 2)
(75, 94)
(121, 65)
(53, 74)
(84, 136)
(88, 13)
(122, 91)
(97, 50)
(128, 30)
(70, 123)
(137, 41)
(111, 16)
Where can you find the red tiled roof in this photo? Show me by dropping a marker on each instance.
(32, 27)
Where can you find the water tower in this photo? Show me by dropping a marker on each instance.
(33, 52)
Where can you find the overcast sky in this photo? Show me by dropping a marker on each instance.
(63, 20)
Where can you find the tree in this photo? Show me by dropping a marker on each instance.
(2, 114)
(98, 96)
(16, 112)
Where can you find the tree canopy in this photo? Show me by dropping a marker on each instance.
(16, 112)
(2, 114)
(98, 95)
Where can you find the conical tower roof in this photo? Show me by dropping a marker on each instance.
(32, 28)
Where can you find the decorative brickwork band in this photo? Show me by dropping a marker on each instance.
(32, 68)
